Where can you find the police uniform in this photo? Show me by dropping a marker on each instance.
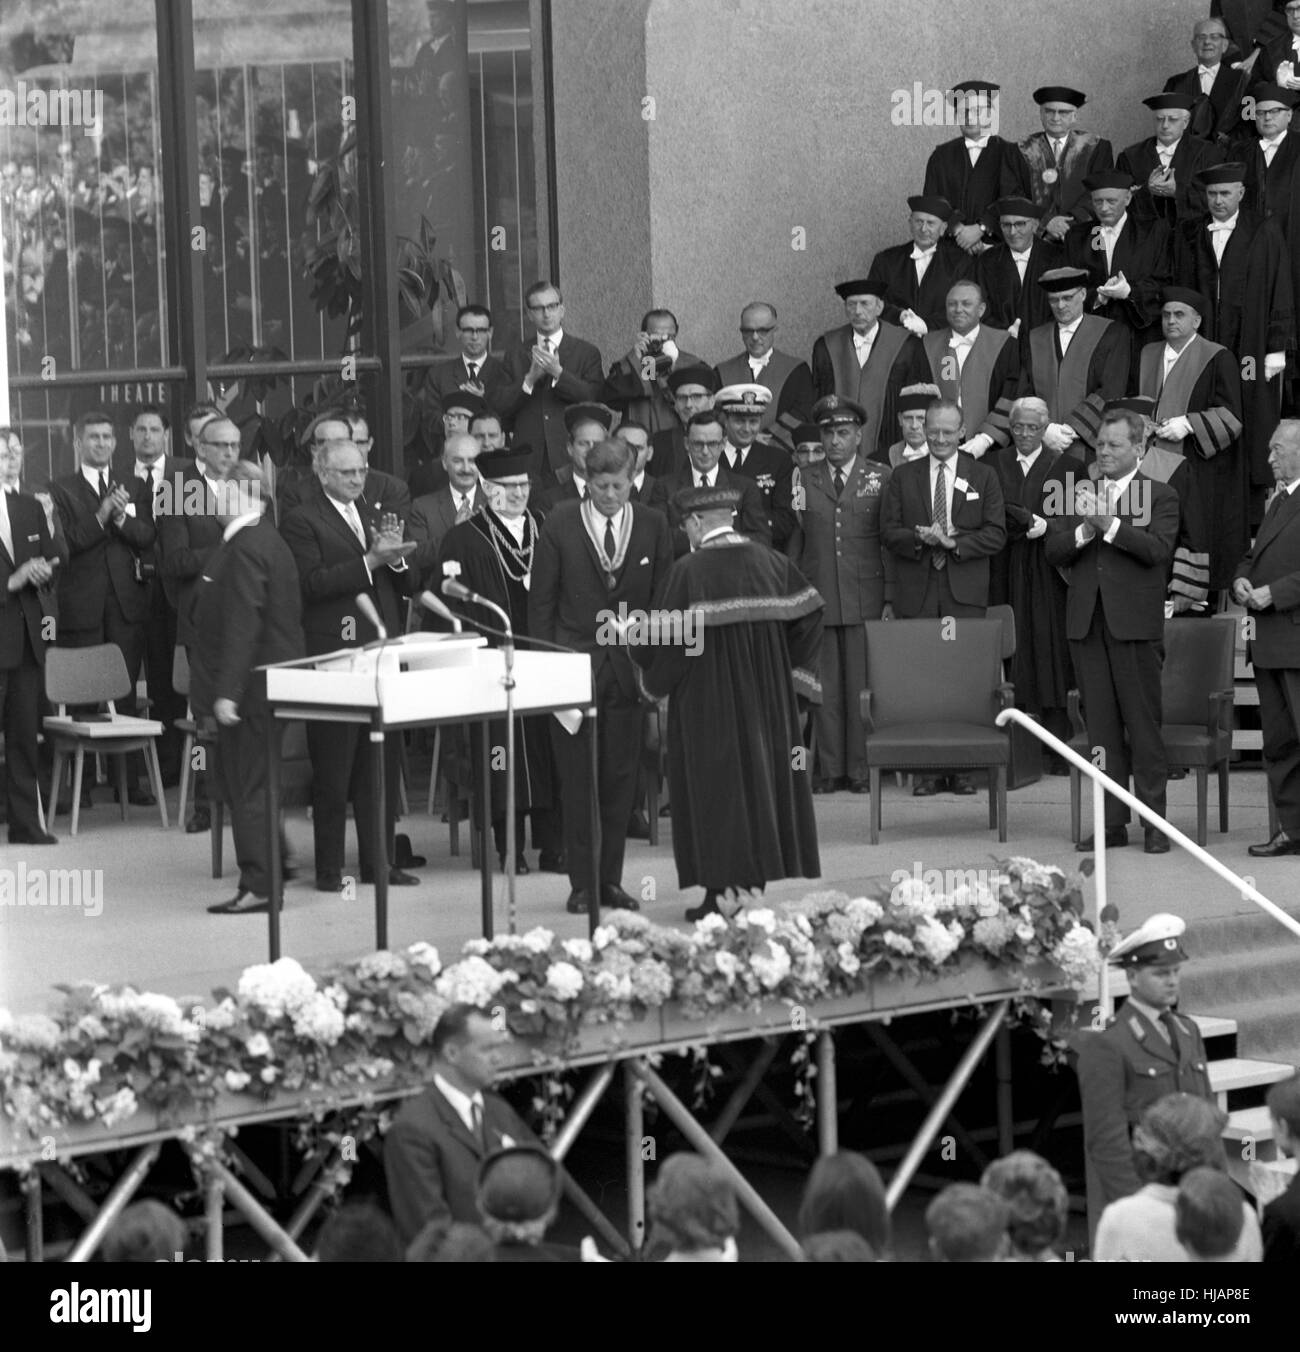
(1132, 1064)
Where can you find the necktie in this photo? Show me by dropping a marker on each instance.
(463, 510)
(354, 520)
(1059, 149)
(706, 481)
(839, 482)
(472, 368)
(103, 484)
(939, 514)
(476, 1116)
(609, 540)
(1025, 467)
(1022, 262)
(6, 530)
(1167, 1019)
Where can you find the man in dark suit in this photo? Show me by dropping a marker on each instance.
(788, 380)
(28, 558)
(1279, 57)
(692, 389)
(596, 559)
(1060, 157)
(647, 489)
(837, 546)
(1165, 165)
(383, 492)
(474, 370)
(460, 410)
(587, 426)
(704, 468)
(438, 1140)
(1215, 87)
(1267, 583)
(103, 593)
(975, 169)
(1280, 1225)
(768, 465)
(1146, 1052)
(638, 383)
(434, 514)
(1009, 269)
(345, 546)
(1270, 155)
(556, 370)
(943, 517)
(247, 614)
(1117, 545)
(915, 277)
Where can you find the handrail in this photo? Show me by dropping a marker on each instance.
(1102, 784)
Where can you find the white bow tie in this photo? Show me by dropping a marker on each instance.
(1207, 70)
(1272, 143)
(1219, 227)
(918, 252)
(958, 340)
(1022, 257)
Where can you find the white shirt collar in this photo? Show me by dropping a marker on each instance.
(1121, 484)
(1207, 70)
(1023, 255)
(846, 469)
(1272, 140)
(616, 520)
(915, 453)
(344, 509)
(581, 481)
(515, 525)
(238, 524)
(863, 339)
(1117, 227)
(759, 363)
(1169, 149)
(1031, 457)
(638, 481)
(967, 340)
(935, 462)
(459, 495)
(1228, 225)
(91, 475)
(462, 1102)
(919, 252)
(555, 339)
(1290, 488)
(1171, 356)
(1071, 326)
(717, 530)
(977, 142)
(143, 471)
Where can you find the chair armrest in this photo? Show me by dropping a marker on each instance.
(1220, 716)
(1006, 697)
(1075, 706)
(864, 707)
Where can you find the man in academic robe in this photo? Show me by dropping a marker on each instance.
(1270, 151)
(1197, 389)
(692, 389)
(915, 277)
(837, 546)
(913, 400)
(587, 426)
(788, 380)
(637, 384)
(434, 514)
(867, 360)
(247, 614)
(1060, 157)
(943, 518)
(28, 561)
(766, 464)
(1278, 59)
(1215, 86)
(593, 558)
(1037, 482)
(555, 370)
(975, 365)
(492, 552)
(1128, 260)
(1240, 264)
(1164, 166)
(1116, 544)
(705, 468)
(345, 547)
(1075, 363)
(1009, 269)
(741, 806)
(975, 169)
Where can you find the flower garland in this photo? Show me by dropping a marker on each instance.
(366, 1026)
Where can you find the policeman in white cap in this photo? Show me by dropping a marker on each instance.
(1147, 1051)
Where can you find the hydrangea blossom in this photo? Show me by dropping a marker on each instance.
(425, 956)
(538, 940)
(1077, 955)
(237, 1080)
(258, 1045)
(472, 981)
(761, 917)
(277, 988)
(900, 943)
(935, 941)
(912, 898)
(564, 980)
(603, 937)
(580, 950)
(994, 932)
(381, 966)
(319, 1019)
(771, 967)
(33, 1032)
(117, 1107)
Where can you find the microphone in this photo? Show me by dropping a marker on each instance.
(454, 588)
(367, 607)
(440, 608)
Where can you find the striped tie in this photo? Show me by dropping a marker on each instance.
(939, 515)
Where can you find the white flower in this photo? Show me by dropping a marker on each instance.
(258, 1045)
(580, 950)
(772, 968)
(711, 924)
(865, 910)
(987, 904)
(849, 963)
(1024, 932)
(380, 966)
(34, 1032)
(934, 941)
(538, 940)
(268, 1074)
(236, 1080)
(900, 943)
(220, 1018)
(761, 917)
(727, 963)
(277, 988)
(564, 980)
(117, 1107)
(476, 948)
(1077, 955)
(471, 981)
(913, 898)
(422, 1012)
(319, 1019)
(424, 955)
(89, 1026)
(337, 994)
(614, 986)
(603, 936)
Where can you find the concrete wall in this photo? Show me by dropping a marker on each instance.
(772, 115)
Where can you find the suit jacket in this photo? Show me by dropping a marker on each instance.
(451, 377)
(569, 591)
(432, 516)
(187, 540)
(769, 468)
(1281, 1228)
(1127, 577)
(978, 524)
(652, 493)
(1220, 114)
(1273, 561)
(384, 492)
(895, 270)
(669, 453)
(332, 572)
(1000, 171)
(1085, 153)
(100, 557)
(247, 614)
(751, 516)
(431, 1159)
(22, 610)
(1143, 253)
(1010, 299)
(837, 544)
(124, 468)
(646, 401)
(538, 418)
(1189, 159)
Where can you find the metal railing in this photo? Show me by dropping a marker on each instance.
(1102, 784)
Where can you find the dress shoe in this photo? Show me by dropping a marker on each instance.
(859, 786)
(552, 861)
(200, 821)
(613, 896)
(1116, 836)
(709, 906)
(925, 788)
(639, 827)
(329, 882)
(1270, 849)
(242, 903)
(579, 902)
(18, 836)
(521, 865)
(1154, 841)
(402, 855)
(962, 784)
(396, 878)
(1177, 773)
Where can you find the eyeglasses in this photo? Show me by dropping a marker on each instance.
(348, 473)
(550, 305)
(749, 332)
(479, 332)
(1027, 427)
(706, 445)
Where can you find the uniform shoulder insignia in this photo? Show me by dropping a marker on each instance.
(1135, 1027)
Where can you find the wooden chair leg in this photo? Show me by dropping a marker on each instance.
(1002, 804)
(1076, 806)
(873, 811)
(433, 771)
(187, 773)
(993, 802)
(1223, 795)
(122, 794)
(155, 778)
(1202, 794)
(78, 768)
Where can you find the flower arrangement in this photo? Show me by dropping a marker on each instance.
(367, 1024)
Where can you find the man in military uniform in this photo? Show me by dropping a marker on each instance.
(1146, 1052)
(747, 452)
(837, 546)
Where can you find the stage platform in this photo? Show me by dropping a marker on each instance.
(153, 930)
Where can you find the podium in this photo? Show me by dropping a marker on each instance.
(423, 680)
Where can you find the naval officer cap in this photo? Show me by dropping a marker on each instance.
(743, 399)
(1059, 94)
(833, 409)
(1155, 943)
(576, 414)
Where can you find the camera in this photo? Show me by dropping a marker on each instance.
(654, 346)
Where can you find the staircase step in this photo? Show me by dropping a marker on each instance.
(1240, 1072)
(1255, 1123)
(1211, 1025)
(1268, 1029)
(1208, 940)
(1243, 976)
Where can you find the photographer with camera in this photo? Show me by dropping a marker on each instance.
(638, 383)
